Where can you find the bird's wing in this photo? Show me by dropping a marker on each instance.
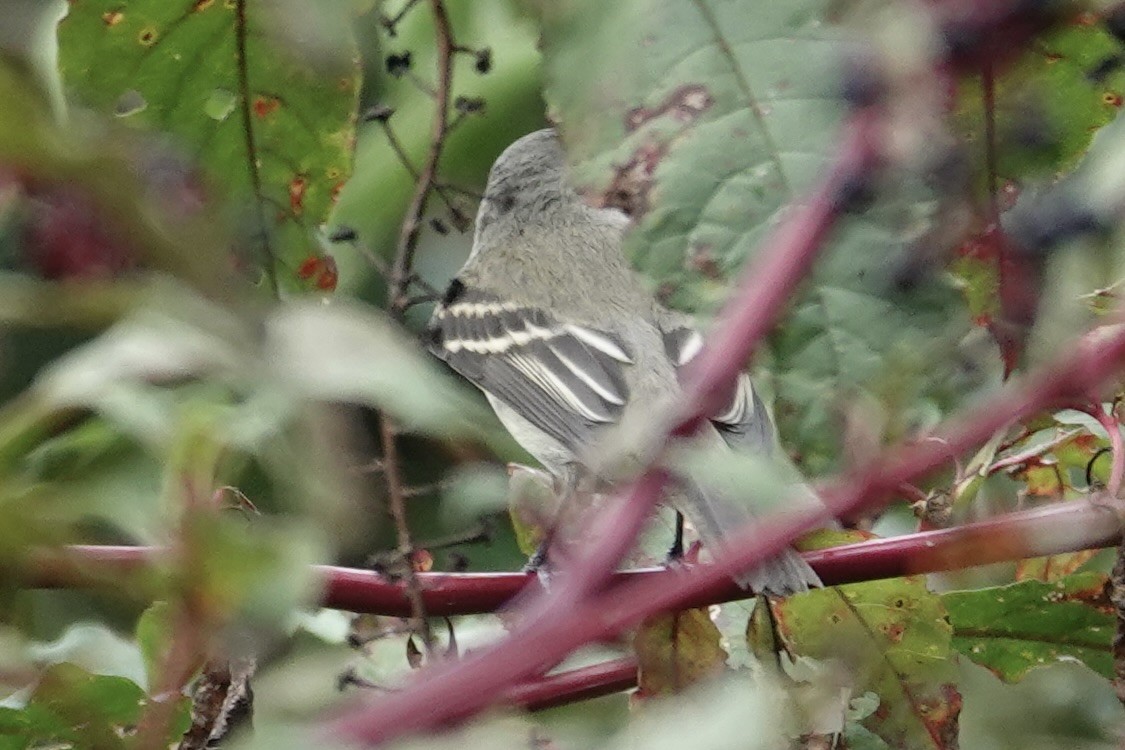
(565, 379)
(743, 421)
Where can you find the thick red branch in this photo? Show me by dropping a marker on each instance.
(1055, 529)
(575, 685)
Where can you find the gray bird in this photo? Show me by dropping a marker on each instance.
(574, 353)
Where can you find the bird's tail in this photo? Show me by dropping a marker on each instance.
(715, 518)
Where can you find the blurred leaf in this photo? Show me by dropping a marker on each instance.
(77, 709)
(1059, 92)
(677, 650)
(1052, 568)
(95, 649)
(1013, 629)
(719, 115)
(215, 75)
(259, 571)
(154, 634)
(349, 353)
(532, 505)
(727, 714)
(895, 637)
(471, 492)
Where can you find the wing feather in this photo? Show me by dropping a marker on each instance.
(564, 378)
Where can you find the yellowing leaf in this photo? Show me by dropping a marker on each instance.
(677, 650)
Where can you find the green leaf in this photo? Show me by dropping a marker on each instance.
(154, 631)
(276, 131)
(260, 572)
(345, 352)
(677, 650)
(70, 705)
(719, 115)
(1013, 629)
(895, 637)
(95, 649)
(1052, 88)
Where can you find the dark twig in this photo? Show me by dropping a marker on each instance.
(397, 502)
(398, 285)
(427, 175)
(441, 189)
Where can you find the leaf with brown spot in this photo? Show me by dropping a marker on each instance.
(675, 651)
(704, 120)
(895, 638)
(1013, 629)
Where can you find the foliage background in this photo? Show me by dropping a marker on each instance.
(135, 401)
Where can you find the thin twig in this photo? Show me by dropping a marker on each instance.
(1021, 459)
(443, 190)
(427, 175)
(397, 502)
(398, 285)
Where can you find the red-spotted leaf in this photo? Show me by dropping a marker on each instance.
(894, 637)
(276, 130)
(1013, 629)
(677, 650)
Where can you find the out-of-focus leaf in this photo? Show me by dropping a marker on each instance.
(273, 129)
(895, 637)
(1013, 629)
(718, 116)
(1063, 705)
(77, 709)
(1078, 214)
(152, 346)
(96, 650)
(1053, 567)
(1060, 91)
(260, 573)
(348, 353)
(154, 631)
(677, 650)
(727, 714)
(532, 505)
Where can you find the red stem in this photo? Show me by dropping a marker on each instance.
(575, 685)
(1058, 528)
(1117, 449)
(1054, 529)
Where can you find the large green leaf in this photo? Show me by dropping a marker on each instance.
(1050, 102)
(70, 707)
(1014, 628)
(704, 119)
(895, 637)
(274, 129)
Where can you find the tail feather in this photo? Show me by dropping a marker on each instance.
(714, 519)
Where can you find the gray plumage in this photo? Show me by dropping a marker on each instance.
(572, 351)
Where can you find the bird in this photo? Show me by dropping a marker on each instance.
(573, 351)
